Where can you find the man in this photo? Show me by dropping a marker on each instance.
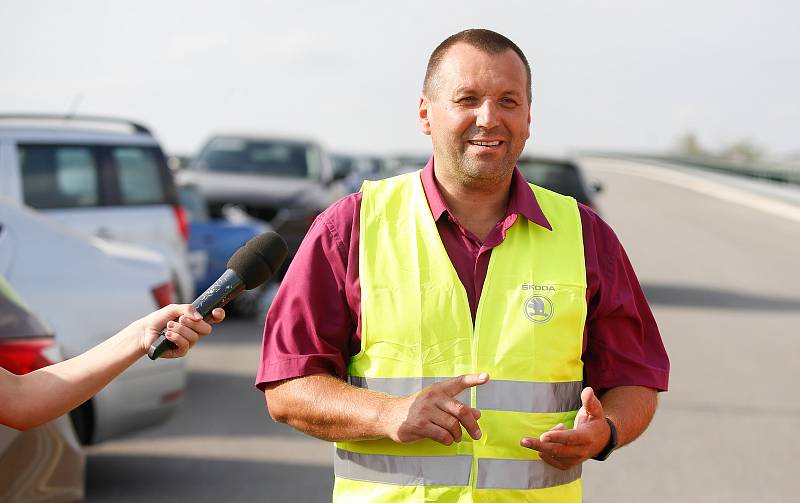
(440, 326)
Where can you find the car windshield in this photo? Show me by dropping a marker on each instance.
(260, 157)
(558, 177)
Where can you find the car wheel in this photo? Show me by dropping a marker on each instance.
(82, 418)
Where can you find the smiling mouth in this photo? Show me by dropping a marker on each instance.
(480, 143)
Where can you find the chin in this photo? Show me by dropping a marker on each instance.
(490, 164)
(488, 171)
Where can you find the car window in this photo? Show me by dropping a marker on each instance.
(234, 155)
(59, 176)
(558, 177)
(191, 199)
(139, 175)
(75, 176)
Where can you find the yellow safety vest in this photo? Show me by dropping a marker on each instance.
(417, 330)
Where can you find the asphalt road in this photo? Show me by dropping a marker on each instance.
(721, 268)
(220, 446)
(722, 272)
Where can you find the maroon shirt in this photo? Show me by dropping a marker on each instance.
(314, 323)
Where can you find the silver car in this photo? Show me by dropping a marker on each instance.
(87, 291)
(101, 177)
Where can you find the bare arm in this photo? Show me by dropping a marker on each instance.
(630, 408)
(44, 394)
(330, 409)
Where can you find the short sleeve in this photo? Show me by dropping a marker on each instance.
(310, 326)
(623, 343)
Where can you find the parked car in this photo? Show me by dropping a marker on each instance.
(212, 241)
(87, 290)
(559, 174)
(45, 463)
(354, 169)
(407, 163)
(281, 181)
(100, 176)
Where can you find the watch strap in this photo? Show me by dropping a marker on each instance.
(613, 442)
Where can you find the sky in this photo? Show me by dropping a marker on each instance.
(606, 75)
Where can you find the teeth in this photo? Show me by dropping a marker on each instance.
(486, 143)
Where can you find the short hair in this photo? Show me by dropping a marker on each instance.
(487, 41)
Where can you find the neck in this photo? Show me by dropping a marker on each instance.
(477, 206)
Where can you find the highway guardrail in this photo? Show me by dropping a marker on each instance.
(774, 171)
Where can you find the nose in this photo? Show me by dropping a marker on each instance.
(487, 117)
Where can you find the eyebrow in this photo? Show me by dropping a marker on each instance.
(470, 90)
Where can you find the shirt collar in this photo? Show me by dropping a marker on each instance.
(522, 201)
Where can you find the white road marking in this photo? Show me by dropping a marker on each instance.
(305, 452)
(697, 184)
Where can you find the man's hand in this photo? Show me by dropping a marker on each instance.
(564, 448)
(434, 413)
(184, 327)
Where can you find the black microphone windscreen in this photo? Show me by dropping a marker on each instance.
(259, 259)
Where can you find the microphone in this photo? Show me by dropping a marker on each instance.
(249, 267)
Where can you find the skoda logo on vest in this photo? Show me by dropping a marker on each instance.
(538, 307)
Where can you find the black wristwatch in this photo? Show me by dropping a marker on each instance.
(613, 443)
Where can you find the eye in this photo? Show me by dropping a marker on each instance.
(468, 101)
(508, 102)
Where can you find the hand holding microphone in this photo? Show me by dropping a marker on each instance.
(248, 268)
(181, 324)
(54, 390)
(51, 391)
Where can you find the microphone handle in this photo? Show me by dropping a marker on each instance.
(228, 286)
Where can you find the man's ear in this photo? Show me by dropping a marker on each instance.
(424, 120)
(529, 124)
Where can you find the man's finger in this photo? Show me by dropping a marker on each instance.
(550, 460)
(539, 446)
(464, 415)
(448, 422)
(591, 403)
(438, 434)
(559, 462)
(566, 437)
(554, 449)
(458, 384)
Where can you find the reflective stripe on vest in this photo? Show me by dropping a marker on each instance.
(515, 474)
(416, 329)
(403, 470)
(519, 396)
(519, 474)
